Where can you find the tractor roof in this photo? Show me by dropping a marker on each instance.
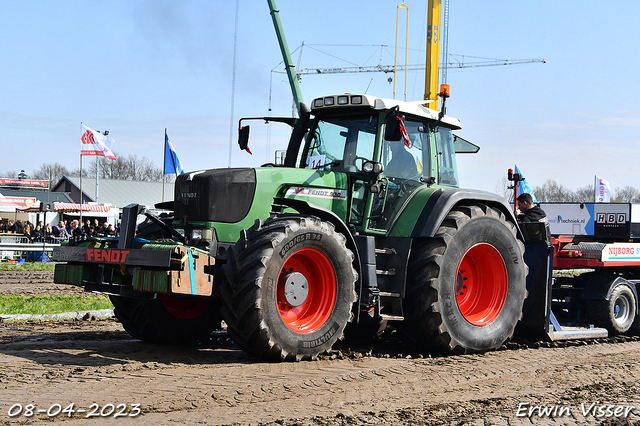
(348, 100)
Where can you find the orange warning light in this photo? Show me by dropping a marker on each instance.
(444, 91)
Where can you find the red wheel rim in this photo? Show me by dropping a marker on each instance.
(481, 284)
(185, 307)
(316, 308)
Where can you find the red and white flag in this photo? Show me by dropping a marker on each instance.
(603, 191)
(96, 144)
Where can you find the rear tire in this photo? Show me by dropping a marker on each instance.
(288, 288)
(167, 321)
(617, 314)
(466, 285)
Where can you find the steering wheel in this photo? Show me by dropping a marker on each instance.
(268, 165)
(402, 183)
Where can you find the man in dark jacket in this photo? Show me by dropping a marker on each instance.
(527, 211)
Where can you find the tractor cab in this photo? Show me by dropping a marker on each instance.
(389, 150)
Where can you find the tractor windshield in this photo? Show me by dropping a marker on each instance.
(341, 143)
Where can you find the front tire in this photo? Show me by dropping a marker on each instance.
(167, 321)
(288, 288)
(466, 285)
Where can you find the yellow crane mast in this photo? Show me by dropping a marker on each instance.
(433, 53)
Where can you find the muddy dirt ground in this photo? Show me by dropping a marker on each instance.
(45, 366)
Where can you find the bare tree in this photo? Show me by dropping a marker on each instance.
(51, 172)
(88, 168)
(627, 194)
(550, 191)
(585, 194)
(502, 188)
(129, 167)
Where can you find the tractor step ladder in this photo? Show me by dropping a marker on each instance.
(378, 280)
(391, 300)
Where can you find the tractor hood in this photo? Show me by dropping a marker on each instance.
(231, 200)
(217, 195)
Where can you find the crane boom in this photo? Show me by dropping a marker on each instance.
(286, 56)
(416, 67)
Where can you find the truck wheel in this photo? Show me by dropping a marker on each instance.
(466, 285)
(288, 288)
(617, 314)
(168, 321)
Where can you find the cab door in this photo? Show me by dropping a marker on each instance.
(408, 166)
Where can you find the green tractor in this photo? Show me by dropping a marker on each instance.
(363, 225)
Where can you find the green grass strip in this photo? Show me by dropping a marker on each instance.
(42, 305)
(29, 266)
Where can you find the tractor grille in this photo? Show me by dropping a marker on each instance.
(219, 195)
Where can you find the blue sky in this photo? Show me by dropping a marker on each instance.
(137, 67)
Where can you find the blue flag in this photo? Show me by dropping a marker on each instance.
(523, 187)
(171, 160)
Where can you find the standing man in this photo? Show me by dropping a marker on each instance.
(527, 211)
(62, 231)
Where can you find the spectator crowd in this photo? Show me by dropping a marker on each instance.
(71, 230)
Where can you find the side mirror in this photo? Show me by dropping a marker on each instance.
(243, 138)
(392, 130)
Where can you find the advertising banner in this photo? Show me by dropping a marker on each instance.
(17, 201)
(597, 219)
(24, 183)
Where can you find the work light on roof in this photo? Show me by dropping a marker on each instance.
(318, 103)
(329, 101)
(343, 100)
(356, 100)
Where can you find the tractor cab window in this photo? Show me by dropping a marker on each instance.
(341, 144)
(404, 159)
(405, 162)
(447, 170)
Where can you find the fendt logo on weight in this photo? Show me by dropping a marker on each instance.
(109, 256)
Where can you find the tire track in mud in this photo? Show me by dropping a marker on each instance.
(222, 385)
(87, 362)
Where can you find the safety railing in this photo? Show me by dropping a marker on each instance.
(17, 246)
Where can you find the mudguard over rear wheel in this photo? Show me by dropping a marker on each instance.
(466, 285)
(168, 321)
(288, 288)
